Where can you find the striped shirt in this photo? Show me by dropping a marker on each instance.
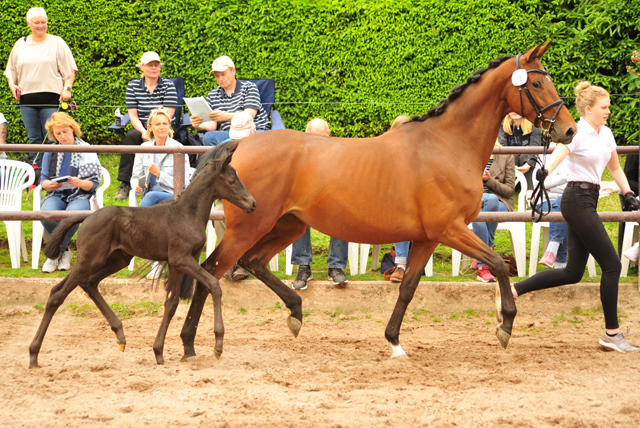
(245, 96)
(138, 97)
(488, 168)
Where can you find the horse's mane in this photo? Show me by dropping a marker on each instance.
(215, 154)
(457, 90)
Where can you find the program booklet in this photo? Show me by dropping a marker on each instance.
(198, 107)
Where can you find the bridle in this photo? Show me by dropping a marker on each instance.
(540, 119)
(540, 192)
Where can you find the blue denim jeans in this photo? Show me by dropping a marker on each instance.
(557, 231)
(154, 197)
(34, 119)
(213, 138)
(487, 230)
(402, 252)
(302, 253)
(55, 203)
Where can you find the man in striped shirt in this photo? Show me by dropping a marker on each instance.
(230, 97)
(143, 95)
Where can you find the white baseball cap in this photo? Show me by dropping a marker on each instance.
(148, 57)
(221, 64)
(241, 126)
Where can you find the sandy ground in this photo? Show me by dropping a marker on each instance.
(337, 373)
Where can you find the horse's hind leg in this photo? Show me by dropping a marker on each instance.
(115, 263)
(57, 295)
(170, 306)
(192, 320)
(463, 240)
(418, 258)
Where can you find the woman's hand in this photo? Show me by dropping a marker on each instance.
(14, 88)
(138, 190)
(486, 176)
(50, 186)
(65, 95)
(75, 181)
(154, 169)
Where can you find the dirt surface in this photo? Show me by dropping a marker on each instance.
(337, 373)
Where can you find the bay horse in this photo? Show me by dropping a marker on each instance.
(172, 231)
(341, 187)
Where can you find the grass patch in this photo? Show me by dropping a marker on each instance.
(242, 310)
(557, 319)
(437, 319)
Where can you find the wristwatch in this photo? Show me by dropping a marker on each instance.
(68, 88)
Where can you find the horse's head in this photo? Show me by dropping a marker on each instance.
(226, 183)
(533, 95)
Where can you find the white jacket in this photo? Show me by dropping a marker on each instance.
(165, 163)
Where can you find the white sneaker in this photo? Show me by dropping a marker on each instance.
(632, 252)
(50, 265)
(65, 260)
(155, 271)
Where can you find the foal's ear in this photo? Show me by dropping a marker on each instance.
(536, 53)
(232, 146)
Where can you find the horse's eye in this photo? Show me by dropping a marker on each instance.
(537, 85)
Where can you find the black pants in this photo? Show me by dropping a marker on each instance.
(586, 235)
(133, 138)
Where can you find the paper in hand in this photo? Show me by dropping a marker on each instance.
(198, 107)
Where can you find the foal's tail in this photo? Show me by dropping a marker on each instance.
(52, 250)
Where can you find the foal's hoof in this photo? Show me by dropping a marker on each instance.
(217, 354)
(121, 346)
(503, 336)
(294, 325)
(189, 359)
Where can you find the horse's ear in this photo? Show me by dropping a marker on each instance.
(231, 147)
(536, 53)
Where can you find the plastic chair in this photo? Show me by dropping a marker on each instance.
(629, 238)
(15, 176)
(517, 231)
(97, 202)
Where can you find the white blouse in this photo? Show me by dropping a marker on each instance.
(590, 153)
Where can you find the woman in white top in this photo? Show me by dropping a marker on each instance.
(591, 150)
(41, 71)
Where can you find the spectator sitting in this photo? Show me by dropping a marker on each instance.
(74, 194)
(143, 95)
(230, 97)
(499, 181)
(402, 248)
(156, 168)
(555, 256)
(518, 131)
(3, 134)
(302, 254)
(41, 71)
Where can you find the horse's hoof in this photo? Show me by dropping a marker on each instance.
(190, 358)
(503, 336)
(34, 366)
(122, 346)
(498, 304)
(397, 352)
(217, 354)
(294, 325)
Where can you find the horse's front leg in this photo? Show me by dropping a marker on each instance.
(418, 258)
(465, 241)
(170, 306)
(192, 268)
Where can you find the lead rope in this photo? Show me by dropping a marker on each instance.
(540, 192)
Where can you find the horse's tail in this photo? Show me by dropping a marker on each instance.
(52, 249)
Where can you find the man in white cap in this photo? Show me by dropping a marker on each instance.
(143, 95)
(229, 98)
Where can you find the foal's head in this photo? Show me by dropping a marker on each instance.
(226, 184)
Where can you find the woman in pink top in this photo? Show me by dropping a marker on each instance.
(40, 71)
(591, 150)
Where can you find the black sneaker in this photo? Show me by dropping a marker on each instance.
(123, 192)
(304, 275)
(338, 277)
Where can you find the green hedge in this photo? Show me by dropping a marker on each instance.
(357, 63)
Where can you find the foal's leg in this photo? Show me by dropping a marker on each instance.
(57, 295)
(116, 261)
(464, 240)
(418, 258)
(170, 306)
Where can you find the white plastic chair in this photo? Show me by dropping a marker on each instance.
(375, 259)
(629, 238)
(97, 202)
(535, 248)
(15, 176)
(517, 231)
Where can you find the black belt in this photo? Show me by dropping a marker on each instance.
(583, 185)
